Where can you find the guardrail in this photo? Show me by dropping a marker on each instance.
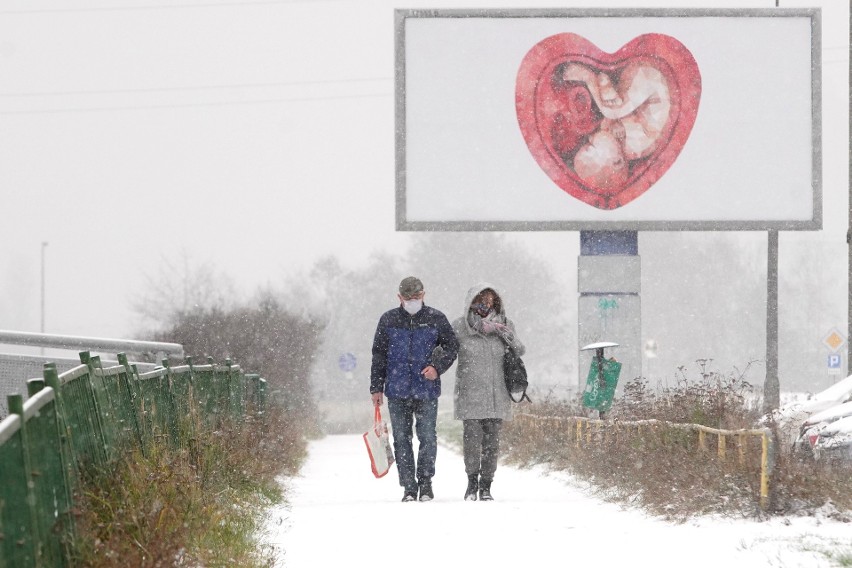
(588, 432)
(156, 349)
(89, 416)
(14, 368)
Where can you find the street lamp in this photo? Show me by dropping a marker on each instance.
(43, 246)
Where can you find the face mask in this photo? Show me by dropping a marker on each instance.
(412, 306)
(481, 310)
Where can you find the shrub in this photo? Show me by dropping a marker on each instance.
(660, 466)
(196, 506)
(712, 399)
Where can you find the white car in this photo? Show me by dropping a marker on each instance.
(791, 416)
(835, 440)
(817, 423)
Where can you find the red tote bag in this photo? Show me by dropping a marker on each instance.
(378, 446)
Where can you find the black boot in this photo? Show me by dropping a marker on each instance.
(485, 490)
(426, 490)
(472, 487)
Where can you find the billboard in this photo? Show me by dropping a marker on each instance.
(600, 119)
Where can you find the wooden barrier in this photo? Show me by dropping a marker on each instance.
(583, 427)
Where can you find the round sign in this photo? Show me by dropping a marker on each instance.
(346, 362)
(650, 349)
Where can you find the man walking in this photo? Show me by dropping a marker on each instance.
(414, 345)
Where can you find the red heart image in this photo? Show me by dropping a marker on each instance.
(605, 127)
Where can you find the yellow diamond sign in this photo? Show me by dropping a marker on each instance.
(834, 340)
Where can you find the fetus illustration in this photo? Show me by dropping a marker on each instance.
(635, 110)
(606, 127)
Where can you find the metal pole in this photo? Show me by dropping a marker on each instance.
(849, 226)
(771, 385)
(599, 356)
(43, 245)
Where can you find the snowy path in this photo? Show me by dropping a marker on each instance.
(341, 516)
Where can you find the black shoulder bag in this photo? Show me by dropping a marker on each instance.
(515, 373)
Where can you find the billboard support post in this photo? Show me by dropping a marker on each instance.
(849, 225)
(771, 385)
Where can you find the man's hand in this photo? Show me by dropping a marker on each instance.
(429, 373)
(378, 398)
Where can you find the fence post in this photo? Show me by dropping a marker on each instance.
(170, 397)
(261, 395)
(721, 449)
(230, 383)
(34, 386)
(108, 412)
(214, 396)
(15, 403)
(67, 455)
(51, 377)
(97, 423)
(145, 419)
(130, 394)
(2, 536)
(192, 403)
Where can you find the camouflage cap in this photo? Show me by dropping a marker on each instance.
(410, 286)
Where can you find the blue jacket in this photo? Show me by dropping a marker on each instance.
(404, 345)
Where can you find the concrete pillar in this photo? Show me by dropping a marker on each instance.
(609, 282)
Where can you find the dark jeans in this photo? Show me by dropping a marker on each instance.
(424, 415)
(481, 441)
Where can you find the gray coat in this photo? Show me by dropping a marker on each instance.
(480, 390)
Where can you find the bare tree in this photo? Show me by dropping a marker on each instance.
(180, 286)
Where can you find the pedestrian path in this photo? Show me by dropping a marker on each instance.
(339, 515)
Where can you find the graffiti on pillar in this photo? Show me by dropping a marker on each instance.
(606, 312)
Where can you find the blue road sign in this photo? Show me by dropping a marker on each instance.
(834, 360)
(346, 362)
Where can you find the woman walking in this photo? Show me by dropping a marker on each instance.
(481, 399)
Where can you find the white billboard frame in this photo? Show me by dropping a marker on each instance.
(407, 222)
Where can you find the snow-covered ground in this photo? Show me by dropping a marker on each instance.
(340, 515)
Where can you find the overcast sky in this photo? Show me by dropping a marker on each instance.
(256, 135)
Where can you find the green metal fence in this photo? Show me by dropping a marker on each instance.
(90, 415)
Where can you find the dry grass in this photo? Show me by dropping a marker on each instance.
(663, 469)
(803, 485)
(197, 506)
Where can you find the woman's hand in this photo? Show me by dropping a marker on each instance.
(489, 327)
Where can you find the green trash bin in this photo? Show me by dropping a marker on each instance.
(599, 396)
